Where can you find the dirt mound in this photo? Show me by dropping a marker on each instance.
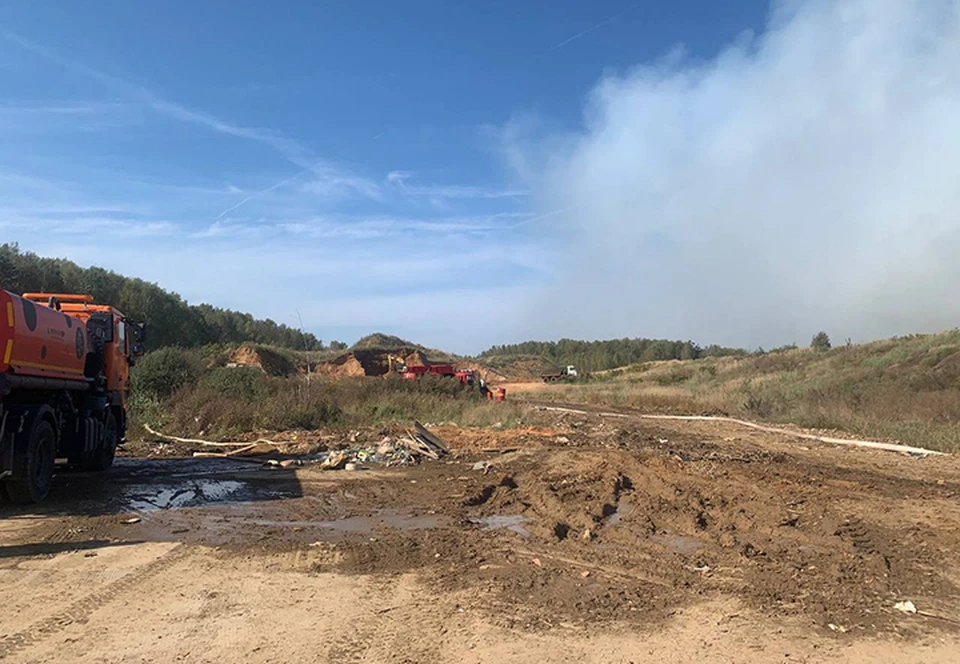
(268, 361)
(487, 373)
(374, 362)
(416, 359)
(381, 341)
(633, 533)
(345, 366)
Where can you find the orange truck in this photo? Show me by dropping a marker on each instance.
(64, 381)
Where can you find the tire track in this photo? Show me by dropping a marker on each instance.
(80, 610)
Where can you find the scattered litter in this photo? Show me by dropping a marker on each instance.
(586, 535)
(905, 607)
(481, 465)
(335, 461)
(536, 561)
(838, 628)
(405, 451)
(133, 519)
(585, 573)
(386, 447)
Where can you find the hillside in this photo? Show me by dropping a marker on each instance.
(378, 341)
(170, 320)
(593, 356)
(906, 388)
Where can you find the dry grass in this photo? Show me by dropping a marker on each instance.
(225, 402)
(905, 389)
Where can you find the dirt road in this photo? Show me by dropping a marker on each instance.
(594, 540)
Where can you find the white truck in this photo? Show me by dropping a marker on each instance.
(566, 372)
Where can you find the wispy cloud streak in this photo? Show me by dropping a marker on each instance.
(586, 32)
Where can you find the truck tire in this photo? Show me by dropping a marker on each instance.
(102, 455)
(34, 465)
(111, 439)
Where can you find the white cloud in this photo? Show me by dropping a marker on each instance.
(803, 179)
(424, 289)
(331, 182)
(85, 226)
(402, 181)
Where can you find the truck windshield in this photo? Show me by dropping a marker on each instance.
(122, 335)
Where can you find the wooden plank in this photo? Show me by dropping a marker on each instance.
(430, 438)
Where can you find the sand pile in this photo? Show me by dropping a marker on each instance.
(268, 361)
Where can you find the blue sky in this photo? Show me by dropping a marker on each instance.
(402, 167)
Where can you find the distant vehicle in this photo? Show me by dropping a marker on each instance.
(566, 372)
(467, 377)
(64, 382)
(434, 369)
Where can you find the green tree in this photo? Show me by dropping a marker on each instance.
(171, 321)
(820, 342)
(161, 373)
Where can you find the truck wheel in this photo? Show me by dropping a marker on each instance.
(34, 466)
(108, 449)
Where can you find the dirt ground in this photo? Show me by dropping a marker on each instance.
(596, 539)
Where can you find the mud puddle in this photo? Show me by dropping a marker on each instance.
(684, 544)
(152, 497)
(514, 523)
(361, 525)
(623, 510)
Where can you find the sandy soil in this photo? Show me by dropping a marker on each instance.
(594, 540)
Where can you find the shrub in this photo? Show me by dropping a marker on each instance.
(163, 372)
(235, 382)
(309, 417)
(820, 342)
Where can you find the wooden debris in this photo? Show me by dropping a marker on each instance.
(417, 446)
(211, 443)
(427, 437)
(246, 449)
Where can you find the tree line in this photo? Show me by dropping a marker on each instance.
(609, 354)
(171, 321)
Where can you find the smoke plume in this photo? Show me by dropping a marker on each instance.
(807, 178)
